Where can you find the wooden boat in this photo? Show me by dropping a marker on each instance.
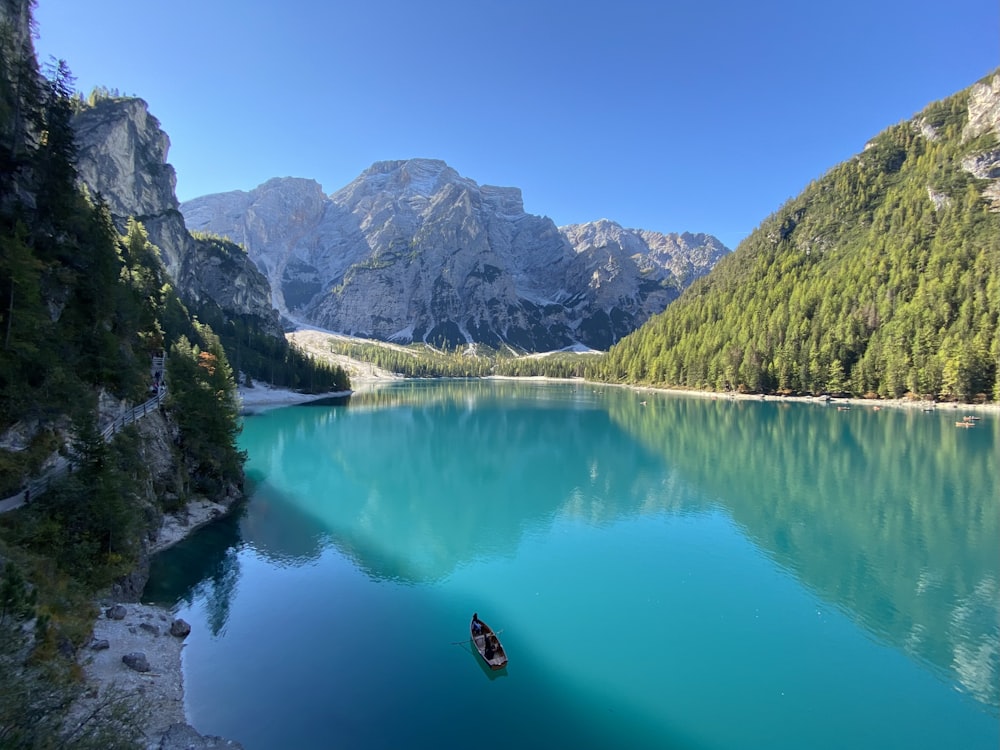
(487, 644)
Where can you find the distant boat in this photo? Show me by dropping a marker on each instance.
(487, 644)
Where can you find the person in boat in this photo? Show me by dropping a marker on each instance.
(477, 627)
(490, 650)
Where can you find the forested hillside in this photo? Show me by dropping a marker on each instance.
(83, 310)
(253, 350)
(424, 361)
(881, 279)
(87, 313)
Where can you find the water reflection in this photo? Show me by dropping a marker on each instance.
(497, 460)
(891, 516)
(204, 565)
(279, 528)
(489, 674)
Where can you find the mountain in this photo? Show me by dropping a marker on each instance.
(413, 251)
(672, 261)
(882, 278)
(122, 156)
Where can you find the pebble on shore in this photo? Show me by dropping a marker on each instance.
(152, 640)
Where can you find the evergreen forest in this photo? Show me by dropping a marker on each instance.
(881, 280)
(425, 361)
(87, 309)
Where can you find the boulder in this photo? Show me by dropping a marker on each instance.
(117, 612)
(137, 661)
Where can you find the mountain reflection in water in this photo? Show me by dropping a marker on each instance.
(891, 516)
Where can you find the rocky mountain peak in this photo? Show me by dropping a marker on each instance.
(677, 258)
(412, 250)
(505, 201)
(419, 185)
(408, 177)
(121, 144)
(595, 234)
(122, 155)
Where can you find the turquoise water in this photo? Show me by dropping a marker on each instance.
(679, 573)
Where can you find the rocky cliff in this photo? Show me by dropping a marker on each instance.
(413, 251)
(123, 157)
(984, 117)
(634, 272)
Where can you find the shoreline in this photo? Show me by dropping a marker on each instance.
(157, 693)
(146, 627)
(990, 407)
(874, 403)
(263, 397)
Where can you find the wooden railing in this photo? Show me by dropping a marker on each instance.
(62, 465)
(137, 413)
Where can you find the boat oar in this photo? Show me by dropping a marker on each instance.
(466, 641)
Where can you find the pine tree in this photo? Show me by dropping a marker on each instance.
(202, 394)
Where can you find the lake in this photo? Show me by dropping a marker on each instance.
(665, 571)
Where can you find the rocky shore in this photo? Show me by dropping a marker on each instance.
(136, 651)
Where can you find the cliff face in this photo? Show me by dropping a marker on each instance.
(18, 132)
(413, 251)
(409, 251)
(633, 274)
(984, 117)
(123, 157)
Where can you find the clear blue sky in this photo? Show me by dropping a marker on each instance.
(700, 116)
